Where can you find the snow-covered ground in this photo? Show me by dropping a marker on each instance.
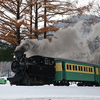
(47, 92)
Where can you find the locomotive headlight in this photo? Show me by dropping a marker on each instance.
(15, 66)
(14, 56)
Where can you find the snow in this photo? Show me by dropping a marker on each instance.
(47, 92)
(7, 34)
(20, 20)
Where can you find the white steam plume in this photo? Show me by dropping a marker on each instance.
(64, 45)
(68, 44)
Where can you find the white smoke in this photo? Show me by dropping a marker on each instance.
(95, 43)
(66, 43)
(95, 32)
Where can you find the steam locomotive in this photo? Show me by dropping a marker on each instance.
(35, 70)
(40, 70)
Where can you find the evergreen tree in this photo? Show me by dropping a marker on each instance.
(6, 52)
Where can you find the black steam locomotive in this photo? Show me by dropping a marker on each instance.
(35, 70)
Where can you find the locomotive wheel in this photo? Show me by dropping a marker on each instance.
(61, 83)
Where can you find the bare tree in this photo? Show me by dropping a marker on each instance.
(96, 11)
(11, 19)
(13, 26)
(49, 9)
(22, 18)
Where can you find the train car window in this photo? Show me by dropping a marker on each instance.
(84, 69)
(76, 67)
(70, 67)
(81, 68)
(46, 61)
(89, 70)
(73, 67)
(67, 67)
(50, 61)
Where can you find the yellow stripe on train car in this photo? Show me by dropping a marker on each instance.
(69, 68)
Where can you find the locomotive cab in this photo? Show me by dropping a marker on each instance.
(42, 69)
(40, 60)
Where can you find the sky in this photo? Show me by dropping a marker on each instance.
(85, 2)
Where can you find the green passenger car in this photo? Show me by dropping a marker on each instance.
(84, 73)
(3, 81)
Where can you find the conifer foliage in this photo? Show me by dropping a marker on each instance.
(6, 52)
(20, 19)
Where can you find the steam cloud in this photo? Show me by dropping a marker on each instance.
(65, 43)
(68, 44)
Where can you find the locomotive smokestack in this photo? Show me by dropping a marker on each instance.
(19, 55)
(26, 45)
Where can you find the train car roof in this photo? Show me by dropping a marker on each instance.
(56, 59)
(41, 56)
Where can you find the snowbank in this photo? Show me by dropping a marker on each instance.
(48, 92)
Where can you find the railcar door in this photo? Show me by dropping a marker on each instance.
(59, 70)
(99, 75)
(96, 74)
(63, 70)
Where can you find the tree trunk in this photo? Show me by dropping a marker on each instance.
(18, 27)
(31, 21)
(36, 20)
(45, 19)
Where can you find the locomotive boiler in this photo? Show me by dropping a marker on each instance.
(35, 70)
